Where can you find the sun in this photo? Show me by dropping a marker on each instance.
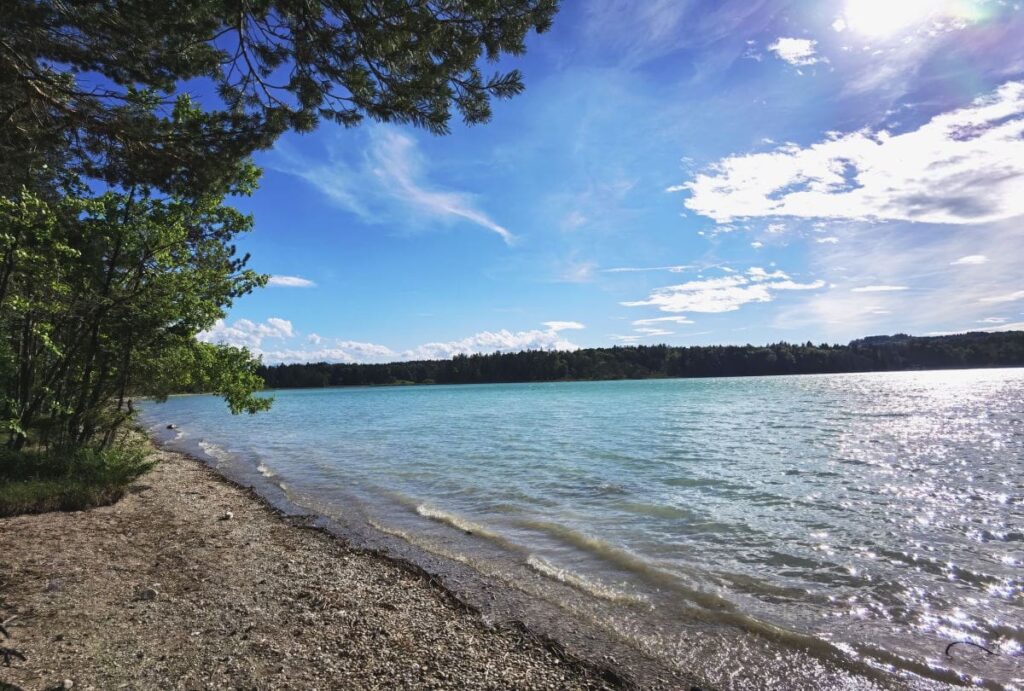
(889, 18)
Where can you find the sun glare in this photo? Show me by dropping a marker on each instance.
(886, 18)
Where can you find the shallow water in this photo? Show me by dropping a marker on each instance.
(862, 521)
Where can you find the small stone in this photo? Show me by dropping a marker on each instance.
(147, 594)
(54, 585)
(172, 426)
(67, 684)
(227, 516)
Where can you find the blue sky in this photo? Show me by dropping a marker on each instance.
(676, 172)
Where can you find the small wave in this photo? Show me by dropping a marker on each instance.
(423, 544)
(574, 580)
(216, 452)
(465, 525)
(265, 471)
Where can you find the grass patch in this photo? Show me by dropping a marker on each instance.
(37, 482)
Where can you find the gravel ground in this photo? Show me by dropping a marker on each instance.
(192, 583)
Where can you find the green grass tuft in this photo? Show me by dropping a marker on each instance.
(37, 482)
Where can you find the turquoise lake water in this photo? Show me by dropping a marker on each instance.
(869, 519)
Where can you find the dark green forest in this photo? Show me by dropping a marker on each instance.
(872, 354)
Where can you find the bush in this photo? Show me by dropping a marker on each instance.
(37, 482)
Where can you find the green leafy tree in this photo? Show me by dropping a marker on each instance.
(103, 301)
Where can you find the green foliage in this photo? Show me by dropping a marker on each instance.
(35, 482)
(879, 353)
(90, 87)
(101, 299)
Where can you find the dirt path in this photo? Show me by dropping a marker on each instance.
(190, 582)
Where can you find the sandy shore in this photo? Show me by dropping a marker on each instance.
(192, 582)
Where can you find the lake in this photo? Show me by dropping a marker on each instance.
(758, 531)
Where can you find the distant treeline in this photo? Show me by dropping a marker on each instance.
(876, 353)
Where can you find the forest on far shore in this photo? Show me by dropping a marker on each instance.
(871, 354)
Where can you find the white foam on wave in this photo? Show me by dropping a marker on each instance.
(579, 582)
(463, 524)
(214, 451)
(265, 471)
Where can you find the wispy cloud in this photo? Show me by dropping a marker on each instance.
(636, 32)
(576, 271)
(917, 258)
(564, 326)
(676, 269)
(398, 163)
(662, 320)
(1005, 297)
(965, 166)
(970, 260)
(390, 172)
(290, 282)
(877, 289)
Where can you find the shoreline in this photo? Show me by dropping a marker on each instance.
(193, 580)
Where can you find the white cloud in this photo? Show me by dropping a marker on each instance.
(877, 289)
(563, 326)
(494, 341)
(281, 328)
(757, 244)
(1008, 297)
(993, 320)
(255, 336)
(392, 170)
(839, 25)
(831, 240)
(756, 273)
(341, 351)
(650, 331)
(798, 52)
(246, 333)
(290, 282)
(965, 166)
(724, 294)
(970, 260)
